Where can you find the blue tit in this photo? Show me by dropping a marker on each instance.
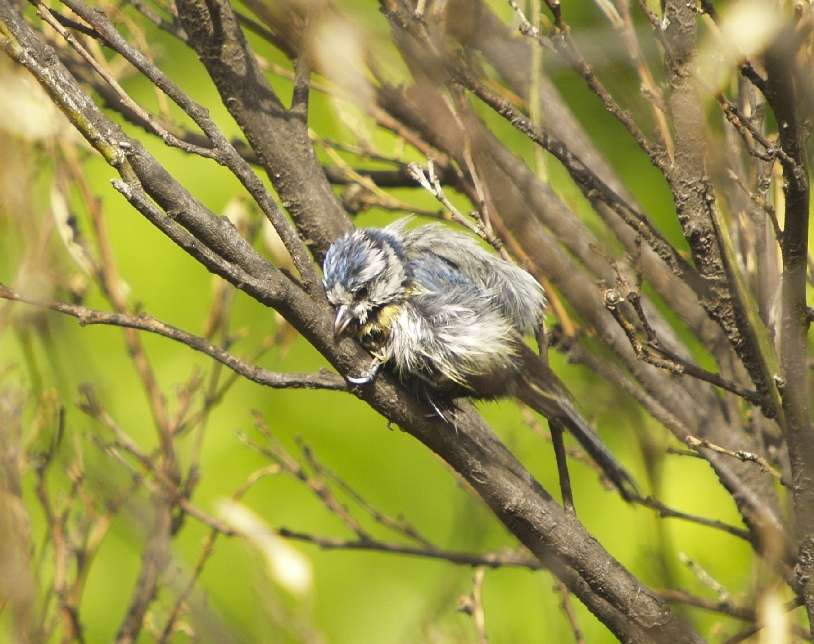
(448, 318)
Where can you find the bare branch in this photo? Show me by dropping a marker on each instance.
(145, 322)
(490, 560)
(741, 455)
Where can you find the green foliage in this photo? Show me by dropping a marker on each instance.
(48, 363)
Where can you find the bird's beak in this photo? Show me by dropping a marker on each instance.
(343, 319)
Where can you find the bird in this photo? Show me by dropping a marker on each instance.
(448, 318)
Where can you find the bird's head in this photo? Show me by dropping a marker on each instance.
(362, 273)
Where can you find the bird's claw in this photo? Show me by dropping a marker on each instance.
(447, 413)
(366, 376)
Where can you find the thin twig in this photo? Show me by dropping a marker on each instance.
(570, 614)
(206, 552)
(226, 153)
(170, 139)
(760, 201)
(741, 455)
(563, 43)
(592, 186)
(613, 298)
(725, 608)
(431, 184)
(665, 511)
(705, 578)
(473, 605)
(275, 451)
(489, 559)
(158, 486)
(144, 322)
(400, 525)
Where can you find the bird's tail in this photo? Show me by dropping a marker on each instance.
(540, 388)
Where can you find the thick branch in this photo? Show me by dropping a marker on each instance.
(278, 136)
(725, 300)
(782, 96)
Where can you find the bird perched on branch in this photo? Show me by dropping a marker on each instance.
(449, 318)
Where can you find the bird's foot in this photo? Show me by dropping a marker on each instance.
(366, 376)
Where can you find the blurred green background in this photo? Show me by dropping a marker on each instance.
(358, 597)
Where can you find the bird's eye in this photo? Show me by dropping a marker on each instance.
(362, 293)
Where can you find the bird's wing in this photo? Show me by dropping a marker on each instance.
(449, 327)
(513, 291)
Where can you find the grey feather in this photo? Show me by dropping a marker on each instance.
(516, 294)
(448, 318)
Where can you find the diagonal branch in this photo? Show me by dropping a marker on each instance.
(223, 151)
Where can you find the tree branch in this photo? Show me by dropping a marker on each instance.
(144, 322)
